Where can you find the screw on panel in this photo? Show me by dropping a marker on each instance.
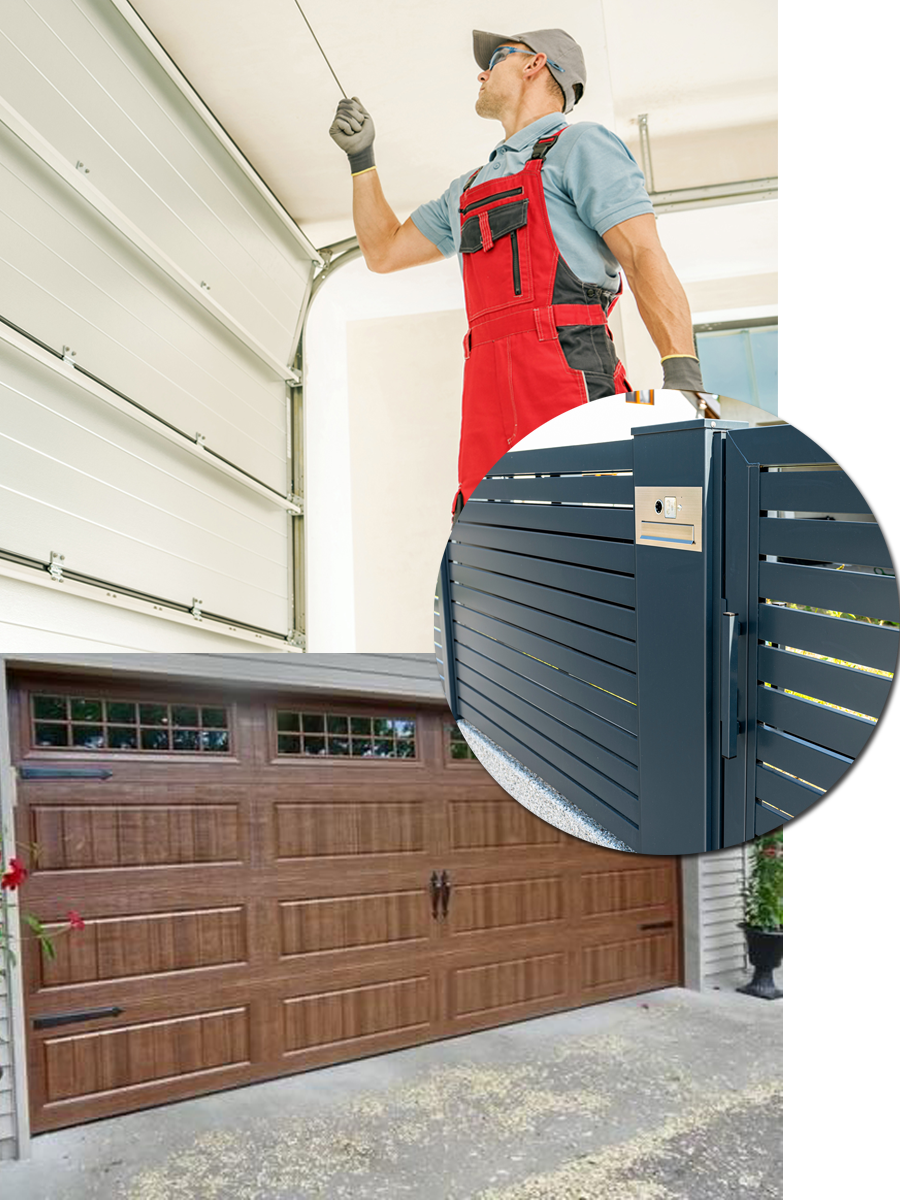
(55, 567)
(200, 439)
(79, 166)
(296, 638)
(205, 285)
(68, 354)
(197, 609)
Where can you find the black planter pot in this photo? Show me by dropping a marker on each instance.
(765, 949)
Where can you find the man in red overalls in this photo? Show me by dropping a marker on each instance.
(541, 231)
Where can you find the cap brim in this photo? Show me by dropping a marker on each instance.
(484, 45)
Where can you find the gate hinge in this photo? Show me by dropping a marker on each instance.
(55, 567)
(197, 609)
(296, 638)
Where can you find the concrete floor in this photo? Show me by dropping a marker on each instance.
(673, 1095)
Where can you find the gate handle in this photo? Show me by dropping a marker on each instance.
(434, 886)
(445, 892)
(728, 683)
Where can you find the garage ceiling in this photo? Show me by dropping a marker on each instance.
(697, 65)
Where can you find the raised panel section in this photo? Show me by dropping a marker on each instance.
(317, 829)
(148, 944)
(482, 906)
(348, 922)
(500, 823)
(605, 893)
(344, 1016)
(515, 982)
(620, 966)
(74, 837)
(84, 1064)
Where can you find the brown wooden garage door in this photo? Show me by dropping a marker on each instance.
(273, 884)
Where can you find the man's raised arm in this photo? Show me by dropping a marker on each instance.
(386, 244)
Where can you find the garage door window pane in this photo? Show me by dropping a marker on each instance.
(86, 710)
(51, 708)
(81, 723)
(336, 724)
(51, 735)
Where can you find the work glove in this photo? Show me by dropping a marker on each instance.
(354, 131)
(681, 373)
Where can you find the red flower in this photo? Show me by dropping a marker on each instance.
(770, 851)
(75, 919)
(15, 875)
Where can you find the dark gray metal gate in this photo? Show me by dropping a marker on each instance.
(600, 618)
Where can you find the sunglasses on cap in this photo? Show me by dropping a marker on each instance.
(503, 51)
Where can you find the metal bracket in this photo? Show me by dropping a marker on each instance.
(296, 638)
(55, 567)
(200, 439)
(197, 609)
(79, 166)
(293, 498)
(68, 354)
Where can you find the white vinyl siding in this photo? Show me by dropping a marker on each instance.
(123, 291)
(713, 908)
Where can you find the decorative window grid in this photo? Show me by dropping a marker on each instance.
(86, 723)
(339, 735)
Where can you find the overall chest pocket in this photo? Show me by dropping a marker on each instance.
(496, 262)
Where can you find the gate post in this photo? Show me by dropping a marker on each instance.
(445, 624)
(678, 513)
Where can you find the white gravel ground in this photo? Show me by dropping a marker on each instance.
(532, 793)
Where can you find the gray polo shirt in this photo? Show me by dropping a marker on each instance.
(591, 183)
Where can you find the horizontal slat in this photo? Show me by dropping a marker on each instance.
(839, 637)
(599, 456)
(594, 613)
(579, 580)
(767, 820)
(813, 722)
(553, 518)
(592, 670)
(788, 795)
(847, 687)
(604, 814)
(821, 767)
(571, 489)
(541, 700)
(823, 587)
(556, 732)
(556, 548)
(618, 651)
(859, 542)
(621, 714)
(809, 491)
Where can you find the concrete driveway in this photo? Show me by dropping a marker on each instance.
(672, 1095)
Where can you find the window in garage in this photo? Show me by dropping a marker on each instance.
(457, 749)
(342, 735)
(95, 723)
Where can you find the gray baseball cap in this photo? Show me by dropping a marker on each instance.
(555, 43)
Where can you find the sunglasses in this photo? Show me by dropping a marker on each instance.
(503, 51)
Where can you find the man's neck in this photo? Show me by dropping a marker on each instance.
(513, 123)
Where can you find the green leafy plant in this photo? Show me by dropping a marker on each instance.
(13, 875)
(763, 895)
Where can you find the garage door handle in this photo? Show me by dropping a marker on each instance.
(434, 887)
(90, 1014)
(658, 925)
(445, 892)
(65, 773)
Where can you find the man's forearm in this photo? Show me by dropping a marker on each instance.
(662, 303)
(374, 220)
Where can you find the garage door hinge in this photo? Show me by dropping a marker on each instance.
(294, 498)
(197, 609)
(55, 567)
(296, 638)
(68, 354)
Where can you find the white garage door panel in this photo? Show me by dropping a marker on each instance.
(76, 71)
(48, 620)
(68, 278)
(129, 507)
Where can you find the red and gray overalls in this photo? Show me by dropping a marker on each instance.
(538, 341)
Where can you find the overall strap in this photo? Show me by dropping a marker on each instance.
(544, 145)
(468, 182)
